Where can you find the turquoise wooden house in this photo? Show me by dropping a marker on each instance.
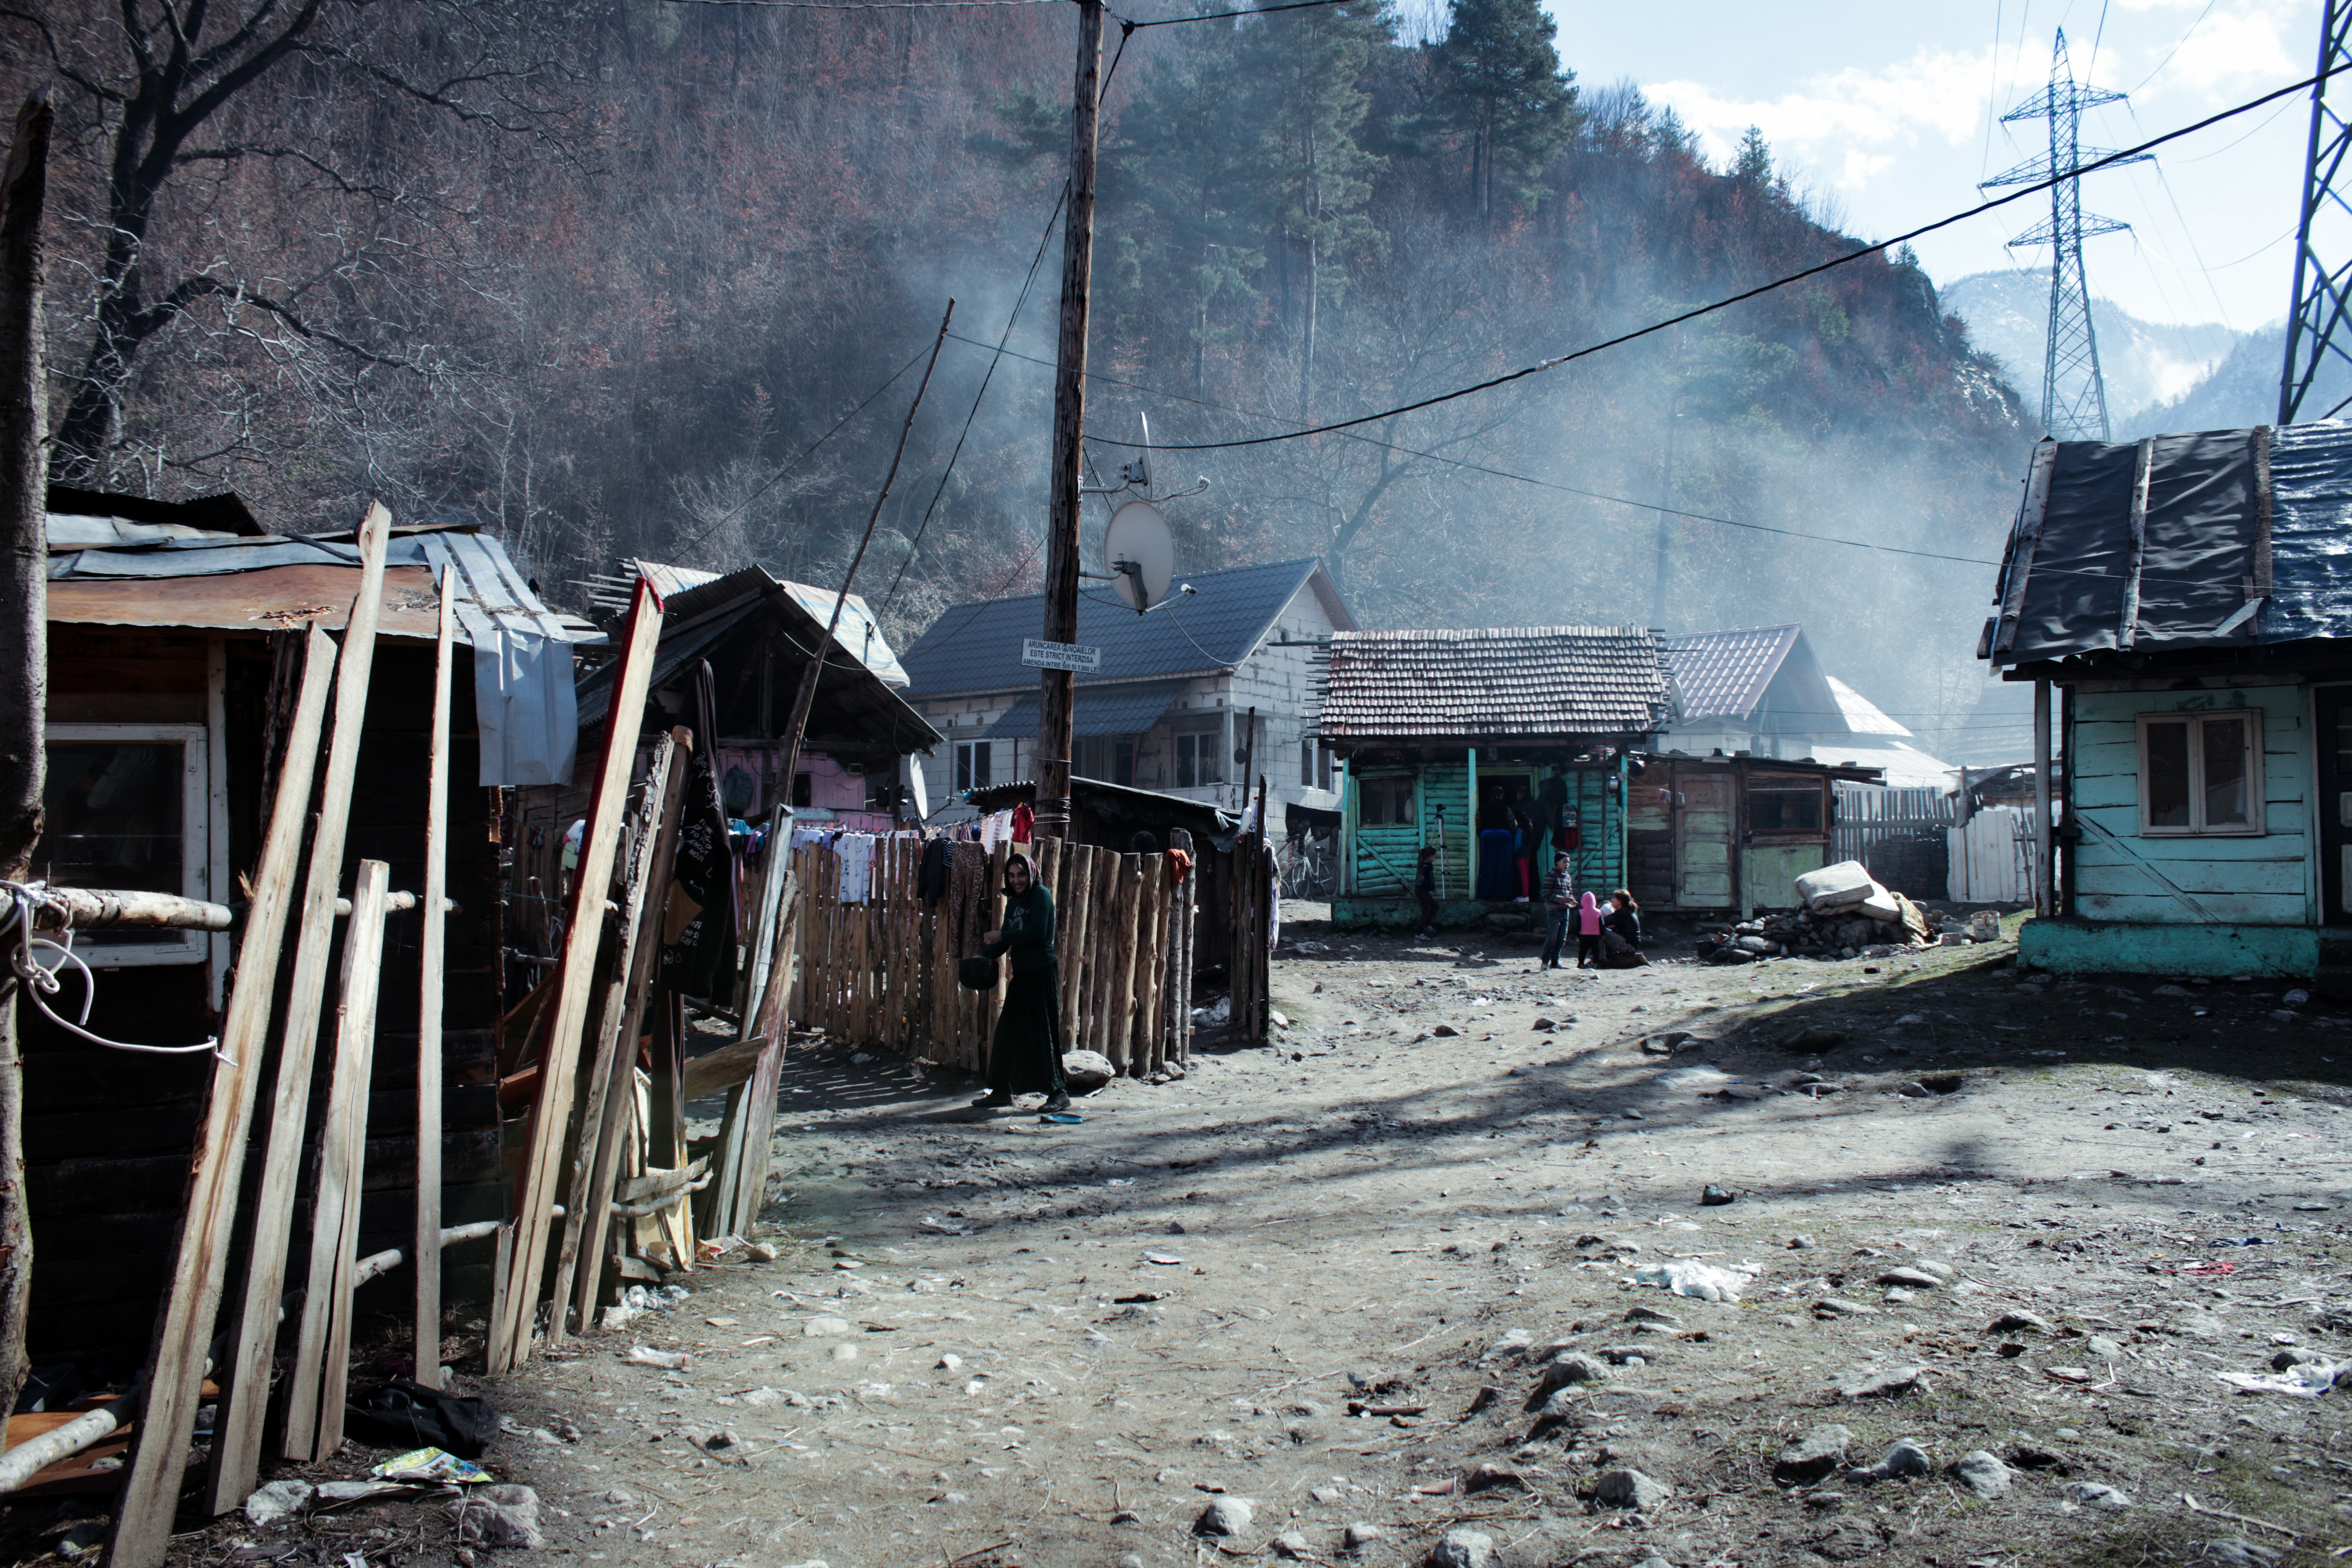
(1493, 747)
(2188, 600)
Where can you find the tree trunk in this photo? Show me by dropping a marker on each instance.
(24, 659)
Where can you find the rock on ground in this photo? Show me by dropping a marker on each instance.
(1630, 1489)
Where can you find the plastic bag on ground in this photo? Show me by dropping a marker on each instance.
(2307, 1382)
(1704, 1281)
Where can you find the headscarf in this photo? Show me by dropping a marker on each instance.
(1587, 916)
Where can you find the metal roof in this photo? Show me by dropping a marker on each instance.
(853, 703)
(1723, 675)
(859, 632)
(1501, 683)
(973, 649)
(161, 570)
(2214, 538)
(1121, 710)
(1862, 716)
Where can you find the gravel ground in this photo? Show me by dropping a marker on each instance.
(1326, 1280)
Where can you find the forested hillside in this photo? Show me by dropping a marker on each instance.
(605, 272)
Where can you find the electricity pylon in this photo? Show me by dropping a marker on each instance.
(2073, 398)
(2316, 316)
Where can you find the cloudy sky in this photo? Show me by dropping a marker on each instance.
(1889, 116)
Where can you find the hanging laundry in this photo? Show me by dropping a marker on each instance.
(1023, 819)
(856, 852)
(1180, 866)
(995, 828)
(932, 882)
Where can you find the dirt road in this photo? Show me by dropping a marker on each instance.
(1289, 1281)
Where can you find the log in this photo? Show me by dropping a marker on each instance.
(237, 1442)
(91, 909)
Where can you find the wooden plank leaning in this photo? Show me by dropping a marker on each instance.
(236, 1438)
(430, 942)
(321, 1361)
(728, 1163)
(143, 1512)
(1150, 967)
(576, 975)
(617, 1039)
(755, 1117)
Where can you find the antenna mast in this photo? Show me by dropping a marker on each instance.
(2073, 397)
(2314, 320)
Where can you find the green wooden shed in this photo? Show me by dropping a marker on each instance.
(1493, 747)
(2188, 598)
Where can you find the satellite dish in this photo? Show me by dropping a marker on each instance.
(1138, 555)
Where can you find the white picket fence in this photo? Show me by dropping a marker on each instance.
(1992, 856)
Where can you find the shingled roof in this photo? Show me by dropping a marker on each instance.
(1722, 674)
(1500, 683)
(976, 648)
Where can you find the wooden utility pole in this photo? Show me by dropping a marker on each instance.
(1058, 686)
(24, 657)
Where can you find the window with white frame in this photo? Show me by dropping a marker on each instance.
(125, 808)
(2201, 774)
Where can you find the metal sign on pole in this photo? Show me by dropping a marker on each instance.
(1039, 654)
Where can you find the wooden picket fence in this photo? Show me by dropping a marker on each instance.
(881, 976)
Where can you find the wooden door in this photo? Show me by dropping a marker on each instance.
(1705, 819)
(2335, 747)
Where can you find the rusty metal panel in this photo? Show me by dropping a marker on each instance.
(275, 599)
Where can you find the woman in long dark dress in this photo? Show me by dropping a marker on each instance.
(1026, 1056)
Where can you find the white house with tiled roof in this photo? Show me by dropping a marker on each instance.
(1186, 693)
(1760, 692)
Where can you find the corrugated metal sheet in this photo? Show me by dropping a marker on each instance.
(1494, 684)
(523, 697)
(2210, 539)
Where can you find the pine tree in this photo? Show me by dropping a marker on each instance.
(1308, 102)
(1501, 84)
(1752, 166)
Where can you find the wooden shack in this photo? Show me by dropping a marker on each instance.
(172, 633)
(1453, 738)
(1707, 835)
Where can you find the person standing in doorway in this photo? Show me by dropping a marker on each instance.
(1588, 932)
(1026, 1055)
(1425, 891)
(1560, 896)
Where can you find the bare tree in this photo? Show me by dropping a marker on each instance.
(274, 184)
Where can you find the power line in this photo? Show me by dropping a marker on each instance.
(1762, 289)
(916, 544)
(772, 479)
(1222, 16)
(1481, 467)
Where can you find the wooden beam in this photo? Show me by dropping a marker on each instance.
(322, 1364)
(655, 807)
(431, 940)
(509, 1344)
(619, 1109)
(142, 1527)
(237, 1439)
(757, 1122)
